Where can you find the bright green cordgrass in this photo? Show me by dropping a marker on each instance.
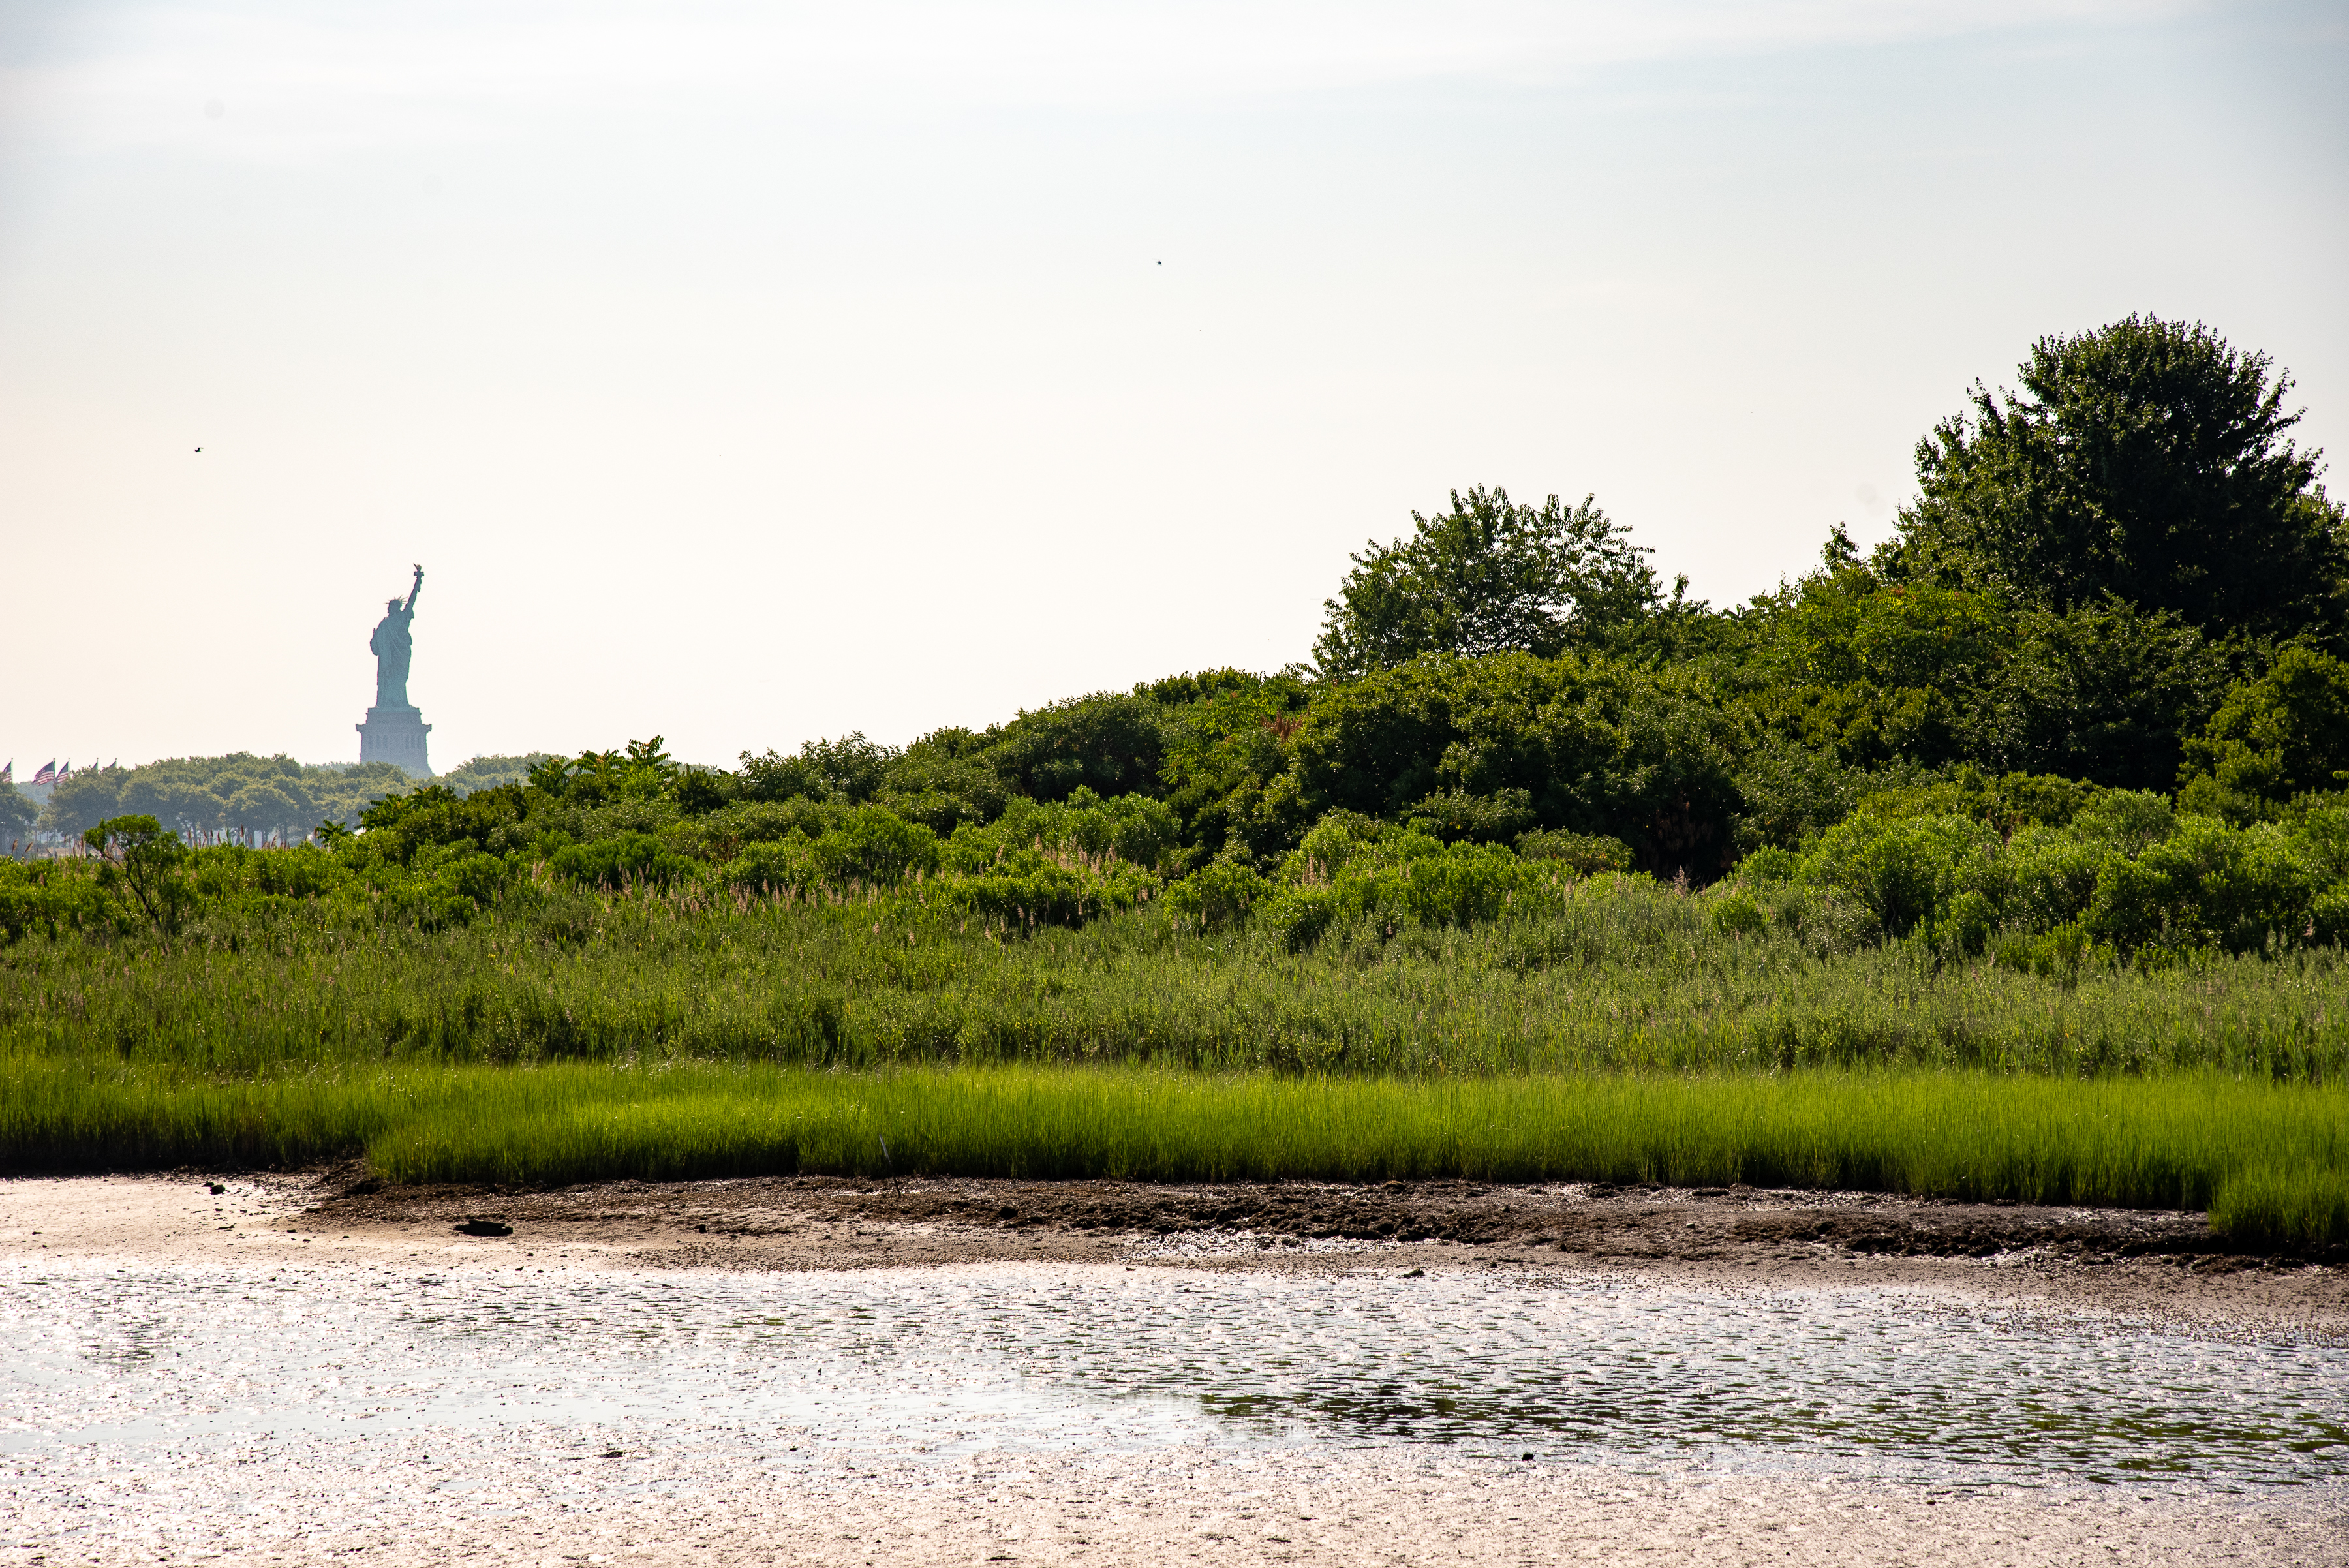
(2262, 1155)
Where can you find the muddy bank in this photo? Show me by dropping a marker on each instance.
(2167, 1263)
(2123, 1257)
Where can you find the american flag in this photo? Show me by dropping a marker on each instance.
(8, 771)
(48, 773)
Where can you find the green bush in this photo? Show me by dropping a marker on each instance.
(1734, 912)
(1031, 889)
(1217, 896)
(1133, 828)
(2278, 736)
(1596, 745)
(771, 867)
(1586, 854)
(53, 898)
(2208, 885)
(625, 859)
(1904, 870)
(875, 846)
(2130, 821)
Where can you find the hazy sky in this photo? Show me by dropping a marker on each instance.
(753, 372)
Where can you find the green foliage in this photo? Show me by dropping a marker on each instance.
(1598, 746)
(851, 768)
(623, 860)
(2006, 804)
(1218, 897)
(1454, 814)
(2125, 873)
(1903, 871)
(642, 772)
(136, 855)
(1133, 828)
(2128, 822)
(2148, 460)
(2104, 691)
(1489, 575)
(1585, 854)
(1224, 746)
(2208, 885)
(203, 797)
(1788, 795)
(53, 898)
(943, 781)
(1397, 880)
(1870, 671)
(488, 772)
(874, 846)
(1111, 743)
(17, 814)
(436, 815)
(2285, 733)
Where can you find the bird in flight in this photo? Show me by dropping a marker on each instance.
(200, 449)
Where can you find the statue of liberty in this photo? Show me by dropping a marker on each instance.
(393, 647)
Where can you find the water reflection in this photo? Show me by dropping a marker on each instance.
(942, 1361)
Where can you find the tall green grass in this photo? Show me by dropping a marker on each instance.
(1628, 975)
(1621, 1035)
(2260, 1154)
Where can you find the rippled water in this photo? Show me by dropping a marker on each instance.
(159, 1359)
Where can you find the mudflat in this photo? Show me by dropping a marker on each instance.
(708, 1475)
(2163, 1262)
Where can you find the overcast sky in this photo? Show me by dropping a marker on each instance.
(746, 373)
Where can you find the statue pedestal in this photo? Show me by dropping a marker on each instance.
(396, 735)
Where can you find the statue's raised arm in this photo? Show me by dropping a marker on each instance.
(415, 588)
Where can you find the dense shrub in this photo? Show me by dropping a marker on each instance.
(874, 845)
(2283, 734)
(2209, 884)
(1132, 829)
(1905, 871)
(1595, 745)
(625, 859)
(1218, 895)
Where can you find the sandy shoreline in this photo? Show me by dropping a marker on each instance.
(1322, 1503)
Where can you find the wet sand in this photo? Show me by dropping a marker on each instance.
(436, 1495)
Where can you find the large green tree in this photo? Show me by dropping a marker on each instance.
(2146, 460)
(1489, 575)
(17, 812)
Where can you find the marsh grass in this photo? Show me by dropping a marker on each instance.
(2263, 1156)
(1620, 1036)
(1626, 975)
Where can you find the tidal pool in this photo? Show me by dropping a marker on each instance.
(118, 1375)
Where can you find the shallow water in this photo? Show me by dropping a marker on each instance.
(117, 1376)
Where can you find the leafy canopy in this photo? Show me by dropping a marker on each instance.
(2285, 733)
(2146, 459)
(1487, 576)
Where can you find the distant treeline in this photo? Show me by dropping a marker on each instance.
(239, 797)
(2109, 630)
